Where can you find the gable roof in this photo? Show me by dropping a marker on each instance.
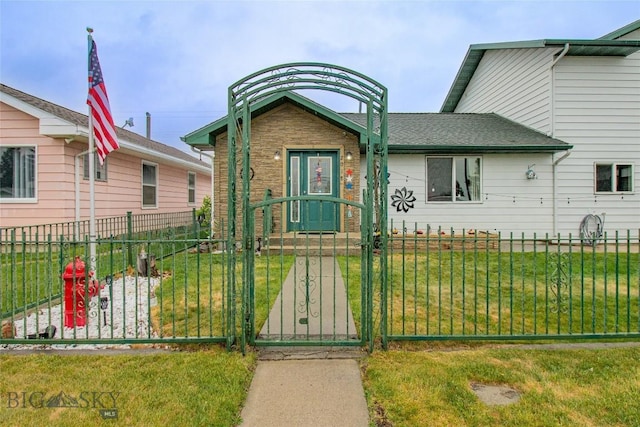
(608, 45)
(206, 137)
(60, 122)
(411, 132)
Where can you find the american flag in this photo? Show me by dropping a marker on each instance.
(104, 130)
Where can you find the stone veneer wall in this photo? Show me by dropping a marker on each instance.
(285, 127)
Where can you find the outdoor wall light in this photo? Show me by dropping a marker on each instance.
(530, 173)
(349, 155)
(276, 155)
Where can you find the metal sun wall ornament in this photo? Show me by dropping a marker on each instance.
(403, 199)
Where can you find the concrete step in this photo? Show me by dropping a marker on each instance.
(326, 244)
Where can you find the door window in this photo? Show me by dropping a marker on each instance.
(320, 175)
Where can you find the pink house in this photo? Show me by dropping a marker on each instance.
(44, 176)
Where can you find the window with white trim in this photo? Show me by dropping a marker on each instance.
(149, 185)
(191, 187)
(18, 174)
(613, 177)
(454, 179)
(100, 169)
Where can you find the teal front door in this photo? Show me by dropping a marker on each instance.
(313, 173)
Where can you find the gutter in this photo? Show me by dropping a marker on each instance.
(476, 149)
(138, 149)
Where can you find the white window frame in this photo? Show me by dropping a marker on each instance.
(191, 188)
(614, 177)
(100, 171)
(143, 184)
(33, 199)
(453, 178)
(294, 188)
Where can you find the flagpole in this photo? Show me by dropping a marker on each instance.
(92, 195)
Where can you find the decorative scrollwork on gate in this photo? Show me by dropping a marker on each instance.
(307, 285)
(559, 283)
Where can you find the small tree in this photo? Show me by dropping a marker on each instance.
(204, 214)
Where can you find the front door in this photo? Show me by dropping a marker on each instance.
(313, 173)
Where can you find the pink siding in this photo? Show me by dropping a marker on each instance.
(55, 191)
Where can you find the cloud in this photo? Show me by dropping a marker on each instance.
(176, 59)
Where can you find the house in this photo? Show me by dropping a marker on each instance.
(532, 137)
(43, 155)
(583, 92)
(438, 164)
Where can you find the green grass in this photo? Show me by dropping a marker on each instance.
(202, 388)
(410, 385)
(556, 387)
(192, 298)
(493, 293)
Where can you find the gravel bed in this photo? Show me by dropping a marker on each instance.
(127, 315)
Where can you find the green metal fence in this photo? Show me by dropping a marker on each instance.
(149, 278)
(470, 285)
(129, 226)
(175, 291)
(441, 286)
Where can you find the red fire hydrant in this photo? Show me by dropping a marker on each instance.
(75, 303)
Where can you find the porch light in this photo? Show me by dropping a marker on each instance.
(349, 155)
(276, 155)
(530, 173)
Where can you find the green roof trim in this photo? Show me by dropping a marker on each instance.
(607, 45)
(621, 32)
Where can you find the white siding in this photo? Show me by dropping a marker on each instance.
(510, 202)
(597, 109)
(513, 83)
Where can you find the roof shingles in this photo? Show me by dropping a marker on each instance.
(83, 121)
(454, 131)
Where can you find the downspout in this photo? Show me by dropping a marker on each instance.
(555, 191)
(553, 132)
(212, 156)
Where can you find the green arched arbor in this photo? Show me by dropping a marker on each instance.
(303, 76)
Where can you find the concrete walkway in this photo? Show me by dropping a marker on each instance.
(312, 304)
(302, 386)
(301, 393)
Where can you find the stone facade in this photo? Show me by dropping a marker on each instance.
(286, 127)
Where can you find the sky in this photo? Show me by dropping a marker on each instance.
(176, 59)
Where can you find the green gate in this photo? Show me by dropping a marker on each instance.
(242, 95)
(306, 288)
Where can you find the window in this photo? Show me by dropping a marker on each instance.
(454, 179)
(149, 185)
(319, 179)
(100, 170)
(294, 214)
(18, 173)
(614, 177)
(191, 187)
